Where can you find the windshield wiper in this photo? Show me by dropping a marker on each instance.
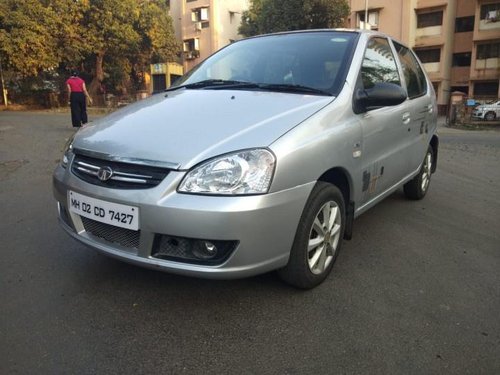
(215, 84)
(293, 88)
(220, 84)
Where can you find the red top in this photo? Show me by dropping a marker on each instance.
(76, 84)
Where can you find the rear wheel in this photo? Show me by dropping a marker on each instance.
(318, 238)
(417, 187)
(490, 116)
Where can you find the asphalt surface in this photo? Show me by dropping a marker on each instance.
(417, 290)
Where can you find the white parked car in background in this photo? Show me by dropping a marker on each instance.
(489, 111)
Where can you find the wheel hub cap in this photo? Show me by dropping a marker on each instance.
(324, 237)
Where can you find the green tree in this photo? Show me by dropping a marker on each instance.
(35, 37)
(110, 25)
(249, 19)
(27, 43)
(123, 36)
(157, 39)
(325, 13)
(131, 33)
(266, 16)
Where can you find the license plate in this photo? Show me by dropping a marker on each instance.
(116, 214)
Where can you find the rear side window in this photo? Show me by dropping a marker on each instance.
(416, 84)
(379, 64)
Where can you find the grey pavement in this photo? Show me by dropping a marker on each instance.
(417, 290)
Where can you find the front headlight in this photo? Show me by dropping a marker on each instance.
(68, 148)
(240, 173)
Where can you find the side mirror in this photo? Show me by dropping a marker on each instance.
(382, 94)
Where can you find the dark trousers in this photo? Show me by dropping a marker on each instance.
(78, 109)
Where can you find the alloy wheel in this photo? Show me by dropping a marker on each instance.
(426, 172)
(324, 237)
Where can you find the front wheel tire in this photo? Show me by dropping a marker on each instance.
(318, 238)
(417, 187)
(490, 116)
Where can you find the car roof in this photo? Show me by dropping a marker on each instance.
(354, 31)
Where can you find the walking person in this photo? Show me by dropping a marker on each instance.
(77, 93)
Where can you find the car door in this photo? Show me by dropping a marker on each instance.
(384, 141)
(421, 106)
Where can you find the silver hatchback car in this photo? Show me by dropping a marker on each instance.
(259, 159)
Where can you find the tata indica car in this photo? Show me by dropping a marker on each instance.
(259, 159)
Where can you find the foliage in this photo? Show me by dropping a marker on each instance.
(250, 19)
(26, 40)
(39, 36)
(267, 16)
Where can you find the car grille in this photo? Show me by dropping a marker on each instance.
(120, 175)
(116, 235)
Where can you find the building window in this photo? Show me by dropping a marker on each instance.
(232, 16)
(489, 89)
(464, 24)
(462, 59)
(159, 82)
(429, 55)
(372, 19)
(191, 48)
(429, 19)
(490, 12)
(488, 51)
(464, 89)
(199, 14)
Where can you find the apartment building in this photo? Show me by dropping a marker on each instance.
(458, 41)
(205, 26)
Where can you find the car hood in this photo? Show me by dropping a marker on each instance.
(183, 127)
(486, 106)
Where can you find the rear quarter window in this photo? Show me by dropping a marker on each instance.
(416, 84)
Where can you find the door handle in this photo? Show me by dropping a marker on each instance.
(406, 118)
(429, 108)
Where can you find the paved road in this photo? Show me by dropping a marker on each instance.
(417, 290)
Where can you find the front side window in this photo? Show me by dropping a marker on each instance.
(414, 76)
(379, 64)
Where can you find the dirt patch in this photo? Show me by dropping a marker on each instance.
(10, 166)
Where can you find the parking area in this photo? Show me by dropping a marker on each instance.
(417, 290)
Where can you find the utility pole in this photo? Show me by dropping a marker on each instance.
(4, 91)
(366, 14)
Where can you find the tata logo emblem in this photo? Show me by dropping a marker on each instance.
(104, 173)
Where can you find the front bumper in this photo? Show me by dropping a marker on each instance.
(263, 226)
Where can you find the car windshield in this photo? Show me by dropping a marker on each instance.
(311, 60)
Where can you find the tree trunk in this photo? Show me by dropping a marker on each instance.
(95, 88)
